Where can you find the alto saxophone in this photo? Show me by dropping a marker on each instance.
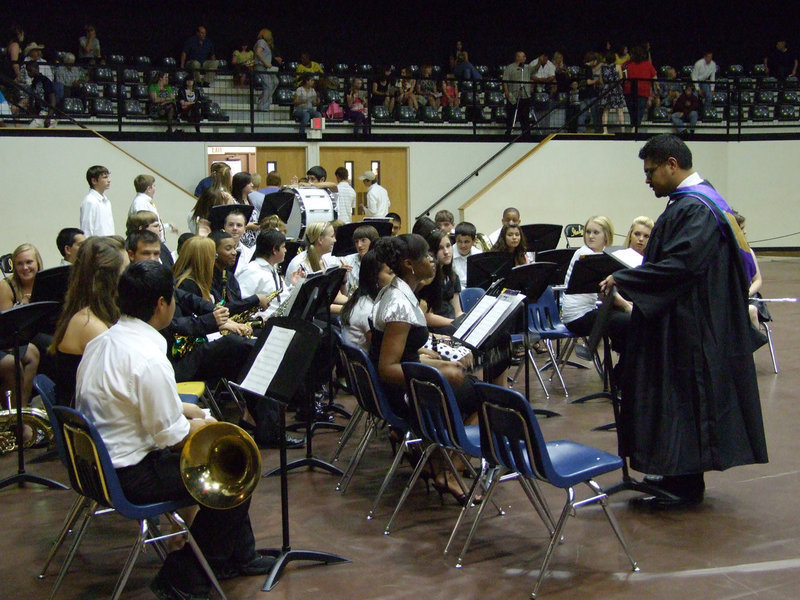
(247, 317)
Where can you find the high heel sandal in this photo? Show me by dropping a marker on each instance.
(444, 487)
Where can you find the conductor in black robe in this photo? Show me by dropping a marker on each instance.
(690, 401)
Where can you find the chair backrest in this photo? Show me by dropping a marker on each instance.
(367, 386)
(573, 230)
(510, 434)
(437, 416)
(469, 297)
(47, 392)
(543, 316)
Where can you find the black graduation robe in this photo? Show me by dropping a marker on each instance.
(690, 396)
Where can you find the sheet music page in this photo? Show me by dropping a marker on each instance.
(489, 322)
(629, 256)
(480, 309)
(269, 358)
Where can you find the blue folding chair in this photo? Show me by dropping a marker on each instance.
(544, 320)
(510, 435)
(440, 425)
(92, 475)
(365, 380)
(469, 297)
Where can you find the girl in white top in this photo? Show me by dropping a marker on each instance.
(320, 238)
(356, 313)
(363, 238)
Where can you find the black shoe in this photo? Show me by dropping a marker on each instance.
(292, 443)
(659, 503)
(259, 564)
(166, 591)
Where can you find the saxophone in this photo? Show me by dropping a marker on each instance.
(247, 317)
(34, 418)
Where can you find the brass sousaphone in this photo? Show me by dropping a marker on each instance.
(220, 465)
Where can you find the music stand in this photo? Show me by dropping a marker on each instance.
(18, 325)
(344, 235)
(218, 214)
(561, 258)
(50, 285)
(541, 237)
(288, 362)
(278, 203)
(531, 280)
(486, 268)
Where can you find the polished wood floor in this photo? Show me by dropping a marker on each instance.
(743, 542)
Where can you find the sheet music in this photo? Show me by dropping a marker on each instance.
(269, 358)
(481, 308)
(629, 256)
(504, 305)
(293, 296)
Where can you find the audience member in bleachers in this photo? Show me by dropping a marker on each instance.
(242, 62)
(357, 110)
(465, 247)
(427, 91)
(69, 240)
(704, 73)
(686, 110)
(450, 95)
(346, 195)
(69, 77)
(512, 241)
(462, 69)
(440, 300)
(357, 311)
(42, 101)
(198, 53)
(781, 62)
(382, 92)
(670, 88)
(543, 72)
(517, 91)
(308, 67)
(146, 219)
(198, 217)
(397, 223)
(89, 308)
(612, 99)
(643, 75)
(510, 217)
(306, 102)
(89, 46)
(639, 234)
(589, 87)
(96, 217)
(407, 86)
(33, 53)
(264, 68)
(11, 61)
(621, 55)
(445, 220)
(162, 99)
(189, 108)
(377, 201)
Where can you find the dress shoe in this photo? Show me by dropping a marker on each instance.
(259, 564)
(659, 503)
(294, 443)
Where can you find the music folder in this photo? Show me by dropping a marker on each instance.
(487, 317)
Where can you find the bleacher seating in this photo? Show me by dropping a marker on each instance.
(103, 107)
(760, 113)
(103, 75)
(130, 76)
(134, 109)
(428, 114)
(115, 59)
(407, 114)
(73, 106)
(711, 115)
(380, 114)
(661, 114)
(284, 97)
(787, 112)
(454, 114)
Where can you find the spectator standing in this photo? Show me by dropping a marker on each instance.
(198, 52)
(89, 45)
(589, 92)
(517, 91)
(264, 69)
(704, 73)
(96, 216)
(43, 96)
(642, 75)
(612, 98)
(543, 72)
(11, 61)
(347, 195)
(377, 197)
(781, 62)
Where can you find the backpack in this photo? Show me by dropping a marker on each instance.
(334, 111)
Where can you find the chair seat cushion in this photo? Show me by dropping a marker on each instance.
(575, 463)
(195, 388)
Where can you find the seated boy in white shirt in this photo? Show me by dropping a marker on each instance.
(465, 246)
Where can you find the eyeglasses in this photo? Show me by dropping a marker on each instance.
(649, 172)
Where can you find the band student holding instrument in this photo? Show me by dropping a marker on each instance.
(126, 387)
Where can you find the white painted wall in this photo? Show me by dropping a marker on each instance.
(567, 181)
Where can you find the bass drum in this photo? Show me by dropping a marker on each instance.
(310, 205)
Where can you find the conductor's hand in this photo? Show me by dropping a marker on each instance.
(607, 285)
(221, 315)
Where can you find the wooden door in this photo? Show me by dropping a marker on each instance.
(392, 173)
(287, 160)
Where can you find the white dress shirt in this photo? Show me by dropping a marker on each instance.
(245, 254)
(703, 71)
(355, 332)
(377, 201)
(346, 201)
(126, 388)
(144, 202)
(96, 217)
(327, 260)
(260, 277)
(460, 263)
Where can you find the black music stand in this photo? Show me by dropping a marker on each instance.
(486, 268)
(50, 285)
(218, 214)
(278, 203)
(562, 258)
(531, 280)
(290, 367)
(344, 235)
(541, 237)
(18, 325)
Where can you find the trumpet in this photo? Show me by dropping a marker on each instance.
(220, 465)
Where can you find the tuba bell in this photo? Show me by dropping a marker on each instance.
(34, 418)
(220, 465)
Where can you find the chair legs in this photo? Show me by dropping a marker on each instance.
(410, 484)
(352, 424)
(72, 516)
(768, 331)
(176, 519)
(569, 506)
(370, 430)
(407, 441)
(88, 514)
